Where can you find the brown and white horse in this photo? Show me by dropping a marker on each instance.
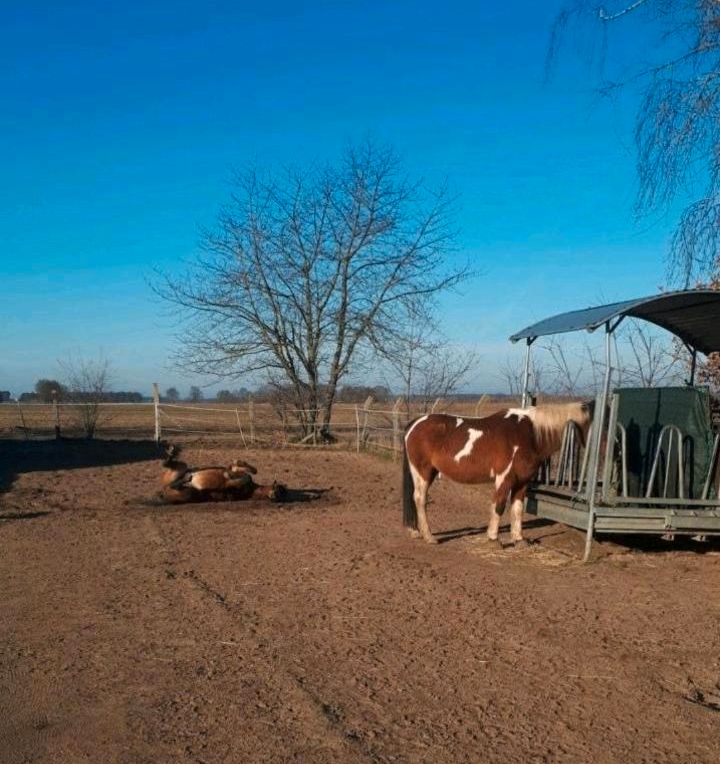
(506, 448)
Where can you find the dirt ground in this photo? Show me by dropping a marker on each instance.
(317, 631)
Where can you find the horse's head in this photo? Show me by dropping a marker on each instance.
(551, 420)
(171, 454)
(278, 492)
(585, 418)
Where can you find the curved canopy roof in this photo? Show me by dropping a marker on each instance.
(692, 315)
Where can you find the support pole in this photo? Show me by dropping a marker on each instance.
(693, 365)
(526, 375)
(597, 425)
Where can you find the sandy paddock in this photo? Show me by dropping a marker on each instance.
(319, 632)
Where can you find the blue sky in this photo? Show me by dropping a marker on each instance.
(121, 123)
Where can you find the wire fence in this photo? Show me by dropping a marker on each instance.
(361, 427)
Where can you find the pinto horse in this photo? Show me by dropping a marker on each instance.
(506, 448)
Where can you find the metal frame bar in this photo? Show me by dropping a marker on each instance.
(599, 421)
(623, 457)
(526, 374)
(609, 447)
(569, 453)
(693, 363)
(672, 431)
(582, 478)
(660, 501)
(711, 468)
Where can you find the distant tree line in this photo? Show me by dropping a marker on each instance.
(49, 390)
(46, 390)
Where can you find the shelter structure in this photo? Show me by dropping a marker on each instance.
(650, 461)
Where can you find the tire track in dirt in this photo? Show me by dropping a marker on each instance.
(25, 726)
(288, 683)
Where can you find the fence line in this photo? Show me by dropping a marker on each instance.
(362, 426)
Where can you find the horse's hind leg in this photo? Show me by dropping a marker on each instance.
(422, 484)
(516, 513)
(496, 511)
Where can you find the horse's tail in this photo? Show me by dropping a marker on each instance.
(410, 519)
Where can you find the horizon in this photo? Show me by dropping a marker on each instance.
(122, 128)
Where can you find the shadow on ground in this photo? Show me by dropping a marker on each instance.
(18, 456)
(292, 496)
(458, 533)
(571, 541)
(652, 544)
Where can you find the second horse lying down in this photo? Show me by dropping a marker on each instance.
(182, 484)
(506, 448)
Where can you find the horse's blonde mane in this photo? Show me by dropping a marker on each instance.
(549, 421)
(552, 417)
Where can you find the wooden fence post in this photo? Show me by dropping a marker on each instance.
(156, 400)
(22, 421)
(284, 425)
(251, 417)
(366, 418)
(357, 428)
(56, 411)
(396, 428)
(242, 435)
(481, 402)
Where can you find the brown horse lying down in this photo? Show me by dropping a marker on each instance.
(182, 484)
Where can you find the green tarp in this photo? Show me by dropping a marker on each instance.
(644, 412)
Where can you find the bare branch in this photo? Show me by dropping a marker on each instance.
(88, 382)
(677, 127)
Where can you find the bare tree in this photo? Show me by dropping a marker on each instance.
(428, 367)
(88, 382)
(708, 368)
(196, 394)
(307, 270)
(653, 358)
(677, 127)
(442, 372)
(566, 375)
(512, 372)
(48, 390)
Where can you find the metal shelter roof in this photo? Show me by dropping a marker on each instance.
(692, 315)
